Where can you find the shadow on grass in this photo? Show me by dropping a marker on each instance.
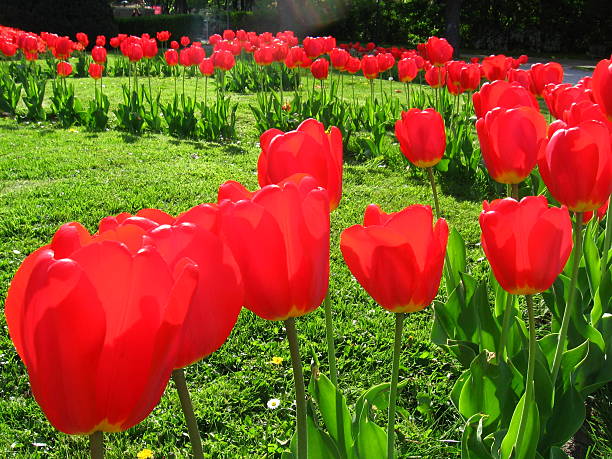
(130, 138)
(234, 149)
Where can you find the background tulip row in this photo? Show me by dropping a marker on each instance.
(527, 244)
(276, 68)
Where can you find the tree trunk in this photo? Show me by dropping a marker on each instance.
(452, 15)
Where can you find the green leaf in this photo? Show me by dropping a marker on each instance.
(472, 446)
(591, 259)
(371, 441)
(333, 408)
(557, 453)
(456, 255)
(525, 448)
(567, 417)
(320, 445)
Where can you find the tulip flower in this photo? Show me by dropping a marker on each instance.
(439, 51)
(83, 39)
(63, 47)
(64, 68)
(369, 67)
(207, 67)
(339, 58)
(502, 94)
(163, 35)
(527, 243)
(223, 60)
(543, 74)
(560, 97)
(174, 44)
(407, 70)
(495, 67)
(309, 150)
(98, 54)
(520, 76)
(313, 46)
(398, 257)
(469, 77)
(280, 238)
(602, 86)
(421, 136)
(172, 57)
(185, 41)
(320, 68)
(95, 70)
(100, 40)
(577, 166)
(96, 321)
(511, 141)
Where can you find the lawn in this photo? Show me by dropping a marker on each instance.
(50, 176)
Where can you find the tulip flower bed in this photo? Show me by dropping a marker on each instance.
(112, 308)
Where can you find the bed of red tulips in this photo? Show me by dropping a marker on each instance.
(160, 292)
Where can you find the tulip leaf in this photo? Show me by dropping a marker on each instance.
(591, 259)
(334, 411)
(319, 443)
(456, 256)
(548, 345)
(522, 448)
(489, 388)
(557, 453)
(567, 417)
(472, 445)
(371, 440)
(376, 396)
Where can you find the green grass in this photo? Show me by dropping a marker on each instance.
(50, 176)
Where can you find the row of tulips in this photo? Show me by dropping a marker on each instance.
(281, 232)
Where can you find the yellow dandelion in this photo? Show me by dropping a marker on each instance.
(277, 360)
(145, 454)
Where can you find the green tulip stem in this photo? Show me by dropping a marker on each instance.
(300, 390)
(178, 376)
(505, 326)
(281, 85)
(206, 91)
(569, 307)
(329, 335)
(407, 91)
(529, 386)
(515, 191)
(372, 91)
(606, 248)
(432, 181)
(397, 349)
(96, 445)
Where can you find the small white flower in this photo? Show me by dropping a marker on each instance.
(273, 403)
(390, 78)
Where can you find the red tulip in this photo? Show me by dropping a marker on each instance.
(511, 141)
(313, 47)
(95, 70)
(369, 66)
(196, 54)
(421, 136)
(8, 48)
(185, 57)
(385, 61)
(469, 78)
(439, 51)
(63, 48)
(309, 150)
(96, 322)
(98, 54)
(502, 94)
(577, 166)
(264, 55)
(407, 70)
(339, 58)
(163, 35)
(207, 67)
(174, 44)
(83, 39)
(397, 258)
(64, 68)
(522, 77)
(560, 97)
(114, 42)
(100, 40)
(185, 41)
(223, 60)
(229, 34)
(600, 213)
(435, 76)
(495, 67)
(527, 243)
(172, 57)
(320, 68)
(149, 48)
(543, 74)
(353, 65)
(280, 238)
(602, 86)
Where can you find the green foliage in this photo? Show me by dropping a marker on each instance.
(10, 92)
(64, 105)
